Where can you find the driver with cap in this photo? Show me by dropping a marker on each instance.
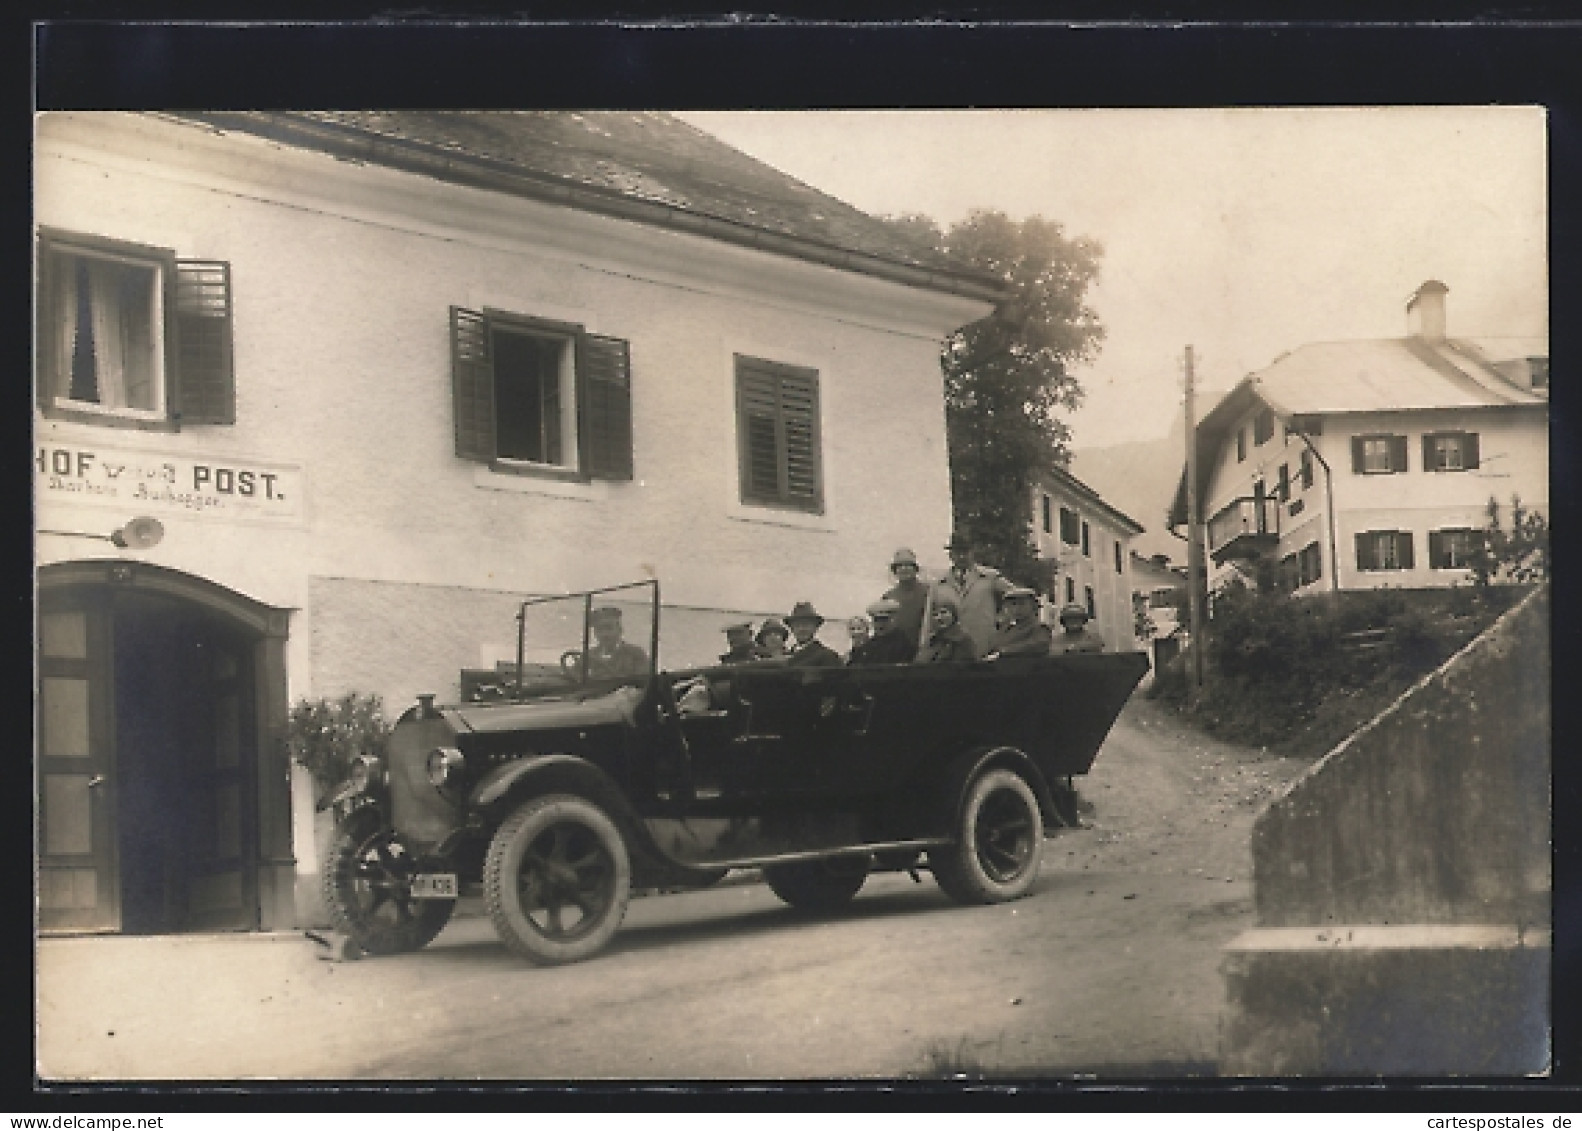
(1024, 634)
(1077, 637)
(612, 657)
(809, 651)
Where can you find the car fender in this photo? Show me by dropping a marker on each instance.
(965, 769)
(538, 774)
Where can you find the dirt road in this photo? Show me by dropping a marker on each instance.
(1109, 967)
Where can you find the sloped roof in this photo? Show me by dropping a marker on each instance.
(643, 165)
(1059, 477)
(1377, 375)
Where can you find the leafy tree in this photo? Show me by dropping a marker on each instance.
(1520, 554)
(1008, 376)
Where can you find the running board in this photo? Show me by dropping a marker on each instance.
(824, 853)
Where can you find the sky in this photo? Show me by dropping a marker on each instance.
(1242, 232)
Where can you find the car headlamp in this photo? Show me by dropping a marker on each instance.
(444, 763)
(365, 771)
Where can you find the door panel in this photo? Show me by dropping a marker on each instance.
(222, 874)
(78, 887)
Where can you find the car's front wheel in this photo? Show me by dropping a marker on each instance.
(818, 885)
(367, 876)
(999, 842)
(557, 879)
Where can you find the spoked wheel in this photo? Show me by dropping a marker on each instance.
(368, 890)
(818, 885)
(557, 879)
(999, 842)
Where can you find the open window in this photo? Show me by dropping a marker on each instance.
(532, 396)
(132, 336)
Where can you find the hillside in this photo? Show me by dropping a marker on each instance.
(1139, 478)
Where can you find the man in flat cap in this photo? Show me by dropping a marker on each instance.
(1024, 634)
(809, 651)
(889, 645)
(979, 590)
(739, 640)
(1076, 635)
(612, 657)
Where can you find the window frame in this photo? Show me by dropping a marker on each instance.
(1263, 427)
(569, 335)
(54, 245)
(1401, 554)
(1241, 444)
(1070, 521)
(1119, 567)
(1048, 512)
(1465, 447)
(1443, 540)
(783, 499)
(1087, 540)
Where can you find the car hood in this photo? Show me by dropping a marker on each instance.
(616, 707)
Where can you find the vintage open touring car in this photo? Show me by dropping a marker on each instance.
(570, 787)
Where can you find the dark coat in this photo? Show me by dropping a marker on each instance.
(1082, 640)
(913, 599)
(626, 659)
(886, 648)
(746, 654)
(1030, 638)
(815, 654)
(951, 644)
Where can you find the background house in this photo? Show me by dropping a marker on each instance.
(380, 376)
(1356, 465)
(1085, 542)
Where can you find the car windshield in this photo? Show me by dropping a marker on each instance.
(596, 636)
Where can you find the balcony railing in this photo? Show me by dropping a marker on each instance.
(1244, 528)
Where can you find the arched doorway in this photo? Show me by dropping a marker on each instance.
(163, 791)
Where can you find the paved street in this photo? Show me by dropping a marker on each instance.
(1109, 967)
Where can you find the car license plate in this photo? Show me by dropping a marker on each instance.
(434, 885)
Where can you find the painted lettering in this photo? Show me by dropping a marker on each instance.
(244, 483)
(200, 475)
(269, 484)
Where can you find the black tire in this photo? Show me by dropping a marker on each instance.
(367, 878)
(557, 856)
(999, 842)
(818, 885)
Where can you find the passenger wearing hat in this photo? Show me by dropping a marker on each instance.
(911, 594)
(1024, 634)
(771, 638)
(979, 590)
(947, 639)
(809, 651)
(889, 645)
(1077, 636)
(739, 637)
(612, 657)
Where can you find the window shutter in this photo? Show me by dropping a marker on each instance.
(1365, 559)
(1397, 453)
(472, 384)
(1283, 490)
(758, 402)
(799, 409)
(1429, 462)
(202, 382)
(1403, 549)
(604, 406)
(1438, 553)
(779, 437)
(1469, 451)
(1358, 458)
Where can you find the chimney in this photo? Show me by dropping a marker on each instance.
(1425, 312)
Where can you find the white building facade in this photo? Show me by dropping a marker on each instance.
(377, 388)
(1360, 465)
(1086, 543)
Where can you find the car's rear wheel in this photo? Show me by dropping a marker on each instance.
(557, 879)
(999, 842)
(818, 885)
(367, 877)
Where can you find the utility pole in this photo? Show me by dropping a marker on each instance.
(1195, 575)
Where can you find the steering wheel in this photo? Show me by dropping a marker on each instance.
(571, 663)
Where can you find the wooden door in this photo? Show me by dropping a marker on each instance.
(221, 861)
(78, 882)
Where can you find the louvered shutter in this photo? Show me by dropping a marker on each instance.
(472, 384)
(777, 412)
(1359, 455)
(1429, 462)
(1469, 451)
(1283, 489)
(202, 380)
(1397, 453)
(1403, 549)
(604, 406)
(1438, 550)
(1365, 547)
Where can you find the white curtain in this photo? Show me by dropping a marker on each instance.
(122, 321)
(109, 339)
